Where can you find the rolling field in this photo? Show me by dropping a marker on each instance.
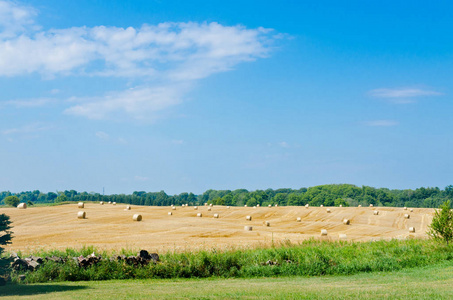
(110, 227)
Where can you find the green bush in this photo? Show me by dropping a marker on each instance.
(310, 258)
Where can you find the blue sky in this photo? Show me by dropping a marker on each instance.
(185, 96)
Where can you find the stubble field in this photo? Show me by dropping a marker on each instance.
(110, 227)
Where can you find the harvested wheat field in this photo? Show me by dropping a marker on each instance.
(112, 227)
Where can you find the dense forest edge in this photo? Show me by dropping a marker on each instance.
(327, 195)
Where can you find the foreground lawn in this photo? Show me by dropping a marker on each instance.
(432, 282)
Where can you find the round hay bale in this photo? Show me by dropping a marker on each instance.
(411, 229)
(101, 203)
(407, 216)
(170, 213)
(228, 207)
(341, 205)
(360, 205)
(269, 206)
(371, 205)
(346, 221)
(307, 206)
(209, 208)
(182, 205)
(110, 202)
(405, 208)
(80, 205)
(323, 231)
(245, 205)
(254, 207)
(276, 205)
(328, 210)
(411, 210)
(195, 207)
(128, 207)
(298, 219)
(22, 206)
(376, 212)
(81, 215)
(216, 216)
(267, 223)
(248, 228)
(199, 215)
(137, 217)
(114, 203)
(257, 205)
(173, 207)
(321, 205)
(205, 204)
(248, 218)
(210, 205)
(187, 204)
(342, 236)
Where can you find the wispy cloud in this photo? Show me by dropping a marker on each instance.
(29, 103)
(141, 178)
(283, 144)
(138, 102)
(26, 129)
(168, 58)
(102, 135)
(15, 18)
(403, 93)
(381, 123)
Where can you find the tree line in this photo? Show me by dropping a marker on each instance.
(327, 195)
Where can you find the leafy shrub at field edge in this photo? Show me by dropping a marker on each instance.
(310, 258)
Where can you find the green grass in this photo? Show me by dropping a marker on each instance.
(431, 282)
(310, 258)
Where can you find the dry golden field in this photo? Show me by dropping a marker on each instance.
(110, 227)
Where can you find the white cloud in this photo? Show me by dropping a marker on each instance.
(381, 123)
(140, 178)
(15, 18)
(284, 144)
(402, 93)
(29, 103)
(26, 129)
(102, 135)
(138, 102)
(167, 57)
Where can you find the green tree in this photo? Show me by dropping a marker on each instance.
(5, 238)
(441, 227)
(61, 198)
(12, 201)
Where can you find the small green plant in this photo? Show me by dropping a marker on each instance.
(441, 228)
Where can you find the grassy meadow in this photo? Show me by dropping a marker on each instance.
(429, 282)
